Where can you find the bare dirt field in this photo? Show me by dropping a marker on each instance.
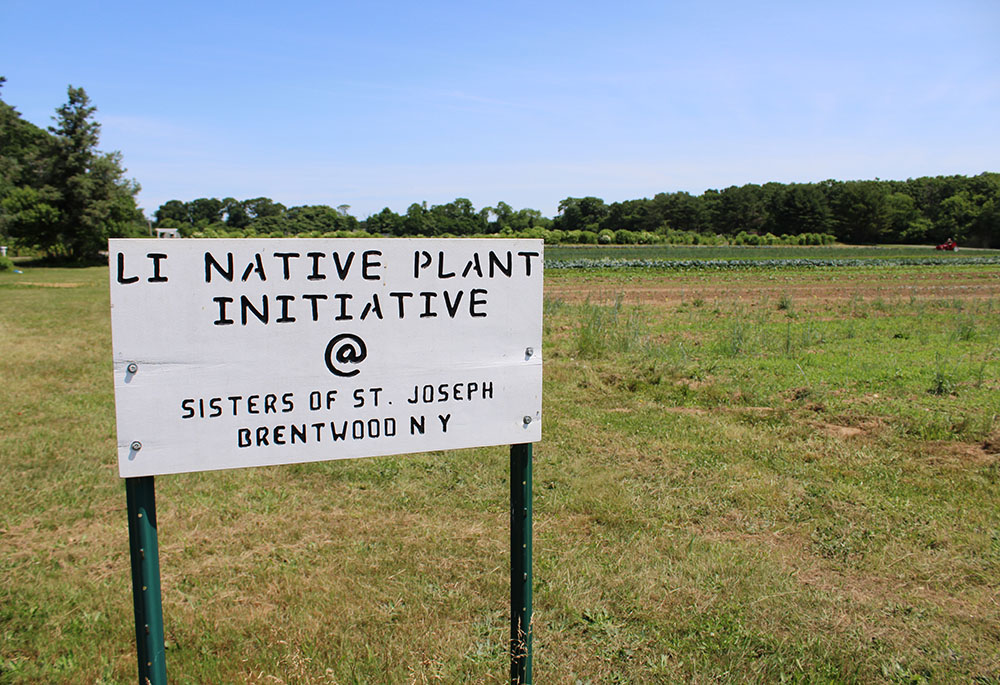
(821, 286)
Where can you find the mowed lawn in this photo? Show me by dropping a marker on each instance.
(746, 476)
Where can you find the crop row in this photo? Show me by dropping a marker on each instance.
(722, 264)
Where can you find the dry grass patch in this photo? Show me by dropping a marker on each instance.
(727, 491)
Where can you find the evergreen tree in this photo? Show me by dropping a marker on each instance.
(83, 198)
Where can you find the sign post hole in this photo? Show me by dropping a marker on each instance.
(520, 564)
(145, 556)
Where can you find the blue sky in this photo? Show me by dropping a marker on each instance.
(380, 104)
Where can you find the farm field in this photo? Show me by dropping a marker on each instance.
(759, 475)
(736, 252)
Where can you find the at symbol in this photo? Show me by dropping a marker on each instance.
(343, 350)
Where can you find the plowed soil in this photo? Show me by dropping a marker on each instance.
(821, 287)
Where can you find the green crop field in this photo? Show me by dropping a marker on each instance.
(684, 252)
(754, 475)
(713, 258)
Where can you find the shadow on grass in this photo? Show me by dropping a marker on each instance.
(47, 261)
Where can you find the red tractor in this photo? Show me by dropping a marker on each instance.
(949, 245)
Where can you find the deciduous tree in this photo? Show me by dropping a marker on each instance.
(84, 198)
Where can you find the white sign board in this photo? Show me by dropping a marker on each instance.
(247, 352)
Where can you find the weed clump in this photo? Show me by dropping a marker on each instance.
(605, 331)
(943, 382)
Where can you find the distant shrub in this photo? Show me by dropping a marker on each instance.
(534, 233)
(554, 237)
(6, 264)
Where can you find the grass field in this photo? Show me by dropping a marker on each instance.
(760, 476)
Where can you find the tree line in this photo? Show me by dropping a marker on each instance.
(264, 216)
(61, 195)
(58, 192)
(916, 211)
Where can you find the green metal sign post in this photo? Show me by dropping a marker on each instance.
(148, 604)
(145, 554)
(520, 564)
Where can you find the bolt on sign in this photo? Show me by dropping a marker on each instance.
(252, 352)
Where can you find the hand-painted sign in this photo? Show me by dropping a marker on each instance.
(232, 353)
